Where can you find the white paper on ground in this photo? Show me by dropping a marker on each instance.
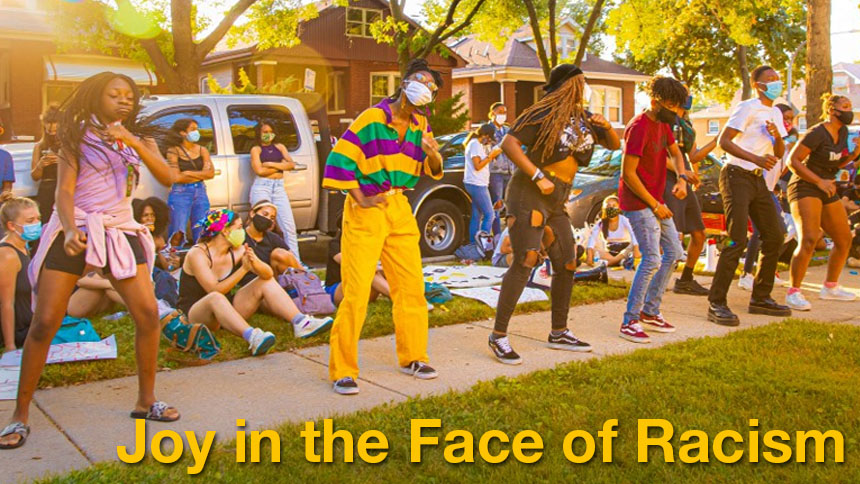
(490, 295)
(69, 352)
(464, 276)
(9, 382)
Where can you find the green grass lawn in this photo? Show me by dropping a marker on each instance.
(378, 323)
(794, 375)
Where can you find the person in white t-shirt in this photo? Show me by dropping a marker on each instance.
(612, 238)
(753, 139)
(479, 154)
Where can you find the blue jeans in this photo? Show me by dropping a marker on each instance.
(653, 274)
(187, 201)
(482, 209)
(498, 183)
(273, 190)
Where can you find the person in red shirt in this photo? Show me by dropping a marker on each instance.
(648, 142)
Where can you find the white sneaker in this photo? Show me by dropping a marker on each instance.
(746, 282)
(310, 326)
(797, 302)
(779, 282)
(261, 342)
(836, 294)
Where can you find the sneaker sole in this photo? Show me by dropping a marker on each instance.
(564, 347)
(264, 347)
(828, 298)
(724, 321)
(318, 330)
(769, 312)
(796, 308)
(690, 292)
(346, 391)
(658, 329)
(634, 339)
(407, 371)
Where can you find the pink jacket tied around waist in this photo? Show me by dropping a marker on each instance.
(106, 241)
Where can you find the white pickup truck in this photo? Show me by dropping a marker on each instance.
(226, 124)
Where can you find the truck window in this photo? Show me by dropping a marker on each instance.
(200, 114)
(244, 119)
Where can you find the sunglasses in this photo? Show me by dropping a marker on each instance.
(427, 81)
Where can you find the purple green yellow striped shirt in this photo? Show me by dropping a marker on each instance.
(368, 155)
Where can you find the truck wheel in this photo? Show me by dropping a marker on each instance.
(594, 213)
(441, 226)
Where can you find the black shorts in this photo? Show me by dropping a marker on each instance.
(686, 212)
(57, 259)
(799, 188)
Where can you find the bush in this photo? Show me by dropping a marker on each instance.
(449, 115)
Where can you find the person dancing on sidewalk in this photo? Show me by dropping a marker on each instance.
(754, 140)
(648, 142)
(102, 148)
(815, 204)
(559, 135)
(383, 153)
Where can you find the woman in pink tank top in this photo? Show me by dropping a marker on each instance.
(93, 228)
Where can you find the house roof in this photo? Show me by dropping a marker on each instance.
(518, 53)
(17, 23)
(852, 69)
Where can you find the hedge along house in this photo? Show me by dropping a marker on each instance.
(514, 75)
(32, 72)
(349, 67)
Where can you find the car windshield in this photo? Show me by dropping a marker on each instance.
(603, 163)
(451, 145)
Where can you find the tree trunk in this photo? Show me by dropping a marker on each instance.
(744, 71)
(534, 21)
(553, 45)
(819, 71)
(586, 34)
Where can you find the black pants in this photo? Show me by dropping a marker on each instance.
(540, 222)
(745, 196)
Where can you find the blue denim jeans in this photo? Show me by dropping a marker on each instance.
(188, 202)
(482, 210)
(498, 183)
(273, 190)
(654, 272)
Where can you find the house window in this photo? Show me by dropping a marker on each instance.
(382, 85)
(358, 21)
(566, 46)
(606, 100)
(713, 127)
(336, 92)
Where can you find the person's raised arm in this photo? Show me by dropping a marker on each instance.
(148, 151)
(610, 141)
(11, 266)
(699, 154)
(39, 162)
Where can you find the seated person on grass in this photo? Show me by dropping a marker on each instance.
(154, 215)
(20, 219)
(211, 275)
(333, 286)
(612, 238)
(269, 246)
(504, 254)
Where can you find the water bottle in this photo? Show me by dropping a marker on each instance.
(115, 316)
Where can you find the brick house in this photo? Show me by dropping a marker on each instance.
(514, 75)
(350, 67)
(33, 74)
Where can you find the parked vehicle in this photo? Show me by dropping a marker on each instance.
(226, 124)
(600, 178)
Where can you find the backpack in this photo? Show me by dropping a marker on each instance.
(75, 330)
(436, 293)
(166, 287)
(307, 292)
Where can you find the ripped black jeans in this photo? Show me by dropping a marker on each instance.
(540, 229)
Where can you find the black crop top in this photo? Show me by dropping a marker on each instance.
(825, 156)
(580, 149)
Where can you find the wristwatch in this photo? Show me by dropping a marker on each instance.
(538, 175)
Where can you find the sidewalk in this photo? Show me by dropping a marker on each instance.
(76, 426)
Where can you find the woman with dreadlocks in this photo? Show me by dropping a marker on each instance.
(384, 152)
(559, 135)
(102, 149)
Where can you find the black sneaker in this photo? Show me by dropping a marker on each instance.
(346, 386)
(567, 341)
(501, 347)
(419, 370)
(690, 288)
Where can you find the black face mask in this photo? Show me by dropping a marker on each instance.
(845, 117)
(666, 115)
(611, 212)
(261, 223)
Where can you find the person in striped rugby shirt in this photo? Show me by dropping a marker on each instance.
(384, 152)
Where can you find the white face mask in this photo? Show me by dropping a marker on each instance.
(586, 94)
(501, 118)
(417, 93)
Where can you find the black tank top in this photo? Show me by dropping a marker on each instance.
(49, 173)
(190, 164)
(23, 310)
(190, 290)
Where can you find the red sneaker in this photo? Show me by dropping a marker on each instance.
(633, 332)
(657, 323)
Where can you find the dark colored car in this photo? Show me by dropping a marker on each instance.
(600, 178)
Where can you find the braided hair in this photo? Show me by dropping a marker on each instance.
(553, 112)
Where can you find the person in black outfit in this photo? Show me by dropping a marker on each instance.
(267, 244)
(44, 163)
(20, 219)
(559, 135)
(815, 204)
(753, 139)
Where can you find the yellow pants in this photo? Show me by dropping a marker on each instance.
(388, 233)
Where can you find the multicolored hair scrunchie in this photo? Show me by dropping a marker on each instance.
(215, 222)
